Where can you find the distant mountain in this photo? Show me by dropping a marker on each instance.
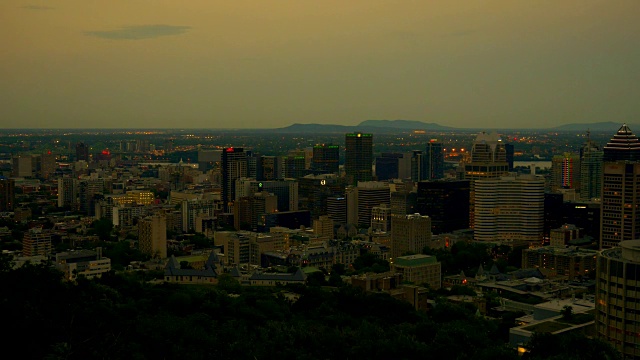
(378, 126)
(404, 124)
(599, 126)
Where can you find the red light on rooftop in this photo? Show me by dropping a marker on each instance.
(229, 149)
(106, 152)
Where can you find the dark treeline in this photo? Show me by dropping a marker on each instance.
(121, 317)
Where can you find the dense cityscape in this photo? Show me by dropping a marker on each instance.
(394, 242)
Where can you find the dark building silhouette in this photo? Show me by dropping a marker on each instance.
(82, 151)
(387, 166)
(434, 160)
(510, 149)
(294, 167)
(7, 194)
(268, 168)
(234, 166)
(288, 219)
(446, 202)
(326, 158)
(418, 166)
(358, 157)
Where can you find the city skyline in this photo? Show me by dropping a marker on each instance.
(215, 65)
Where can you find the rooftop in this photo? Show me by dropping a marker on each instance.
(415, 260)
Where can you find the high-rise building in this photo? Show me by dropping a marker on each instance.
(510, 150)
(623, 146)
(22, 166)
(152, 236)
(88, 192)
(620, 215)
(488, 161)
(234, 166)
(67, 192)
(294, 167)
(381, 218)
(393, 166)
(326, 158)
(590, 171)
(313, 191)
(418, 166)
(323, 226)
(409, 234)
(82, 152)
(422, 270)
(337, 209)
(565, 172)
(7, 194)
(617, 297)
(358, 157)
(248, 210)
(434, 160)
(446, 202)
(510, 209)
(191, 209)
(369, 195)
(268, 168)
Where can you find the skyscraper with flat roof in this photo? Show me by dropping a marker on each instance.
(434, 158)
(326, 158)
(358, 157)
(234, 166)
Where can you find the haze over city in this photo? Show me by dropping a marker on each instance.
(269, 64)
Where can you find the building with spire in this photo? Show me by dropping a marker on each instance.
(620, 216)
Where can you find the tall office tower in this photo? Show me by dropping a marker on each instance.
(234, 166)
(7, 194)
(368, 195)
(565, 172)
(313, 191)
(488, 161)
(337, 209)
(326, 158)
(248, 210)
(88, 189)
(36, 241)
(381, 218)
(510, 150)
(82, 152)
(67, 192)
(142, 145)
(22, 166)
(268, 168)
(358, 157)
(393, 166)
(418, 166)
(510, 209)
(434, 160)
(252, 164)
(590, 171)
(620, 216)
(617, 297)
(446, 202)
(409, 234)
(294, 167)
(152, 236)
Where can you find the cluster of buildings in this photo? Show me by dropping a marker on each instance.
(304, 209)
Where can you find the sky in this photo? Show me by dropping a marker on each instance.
(272, 63)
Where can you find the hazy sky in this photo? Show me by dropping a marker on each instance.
(264, 63)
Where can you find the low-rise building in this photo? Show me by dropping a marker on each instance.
(87, 263)
(419, 269)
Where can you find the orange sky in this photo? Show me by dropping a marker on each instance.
(238, 64)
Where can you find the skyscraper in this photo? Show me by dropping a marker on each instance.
(565, 172)
(358, 157)
(446, 203)
(590, 171)
(434, 160)
(488, 161)
(368, 195)
(234, 166)
(326, 158)
(82, 151)
(509, 209)
(620, 216)
(7, 194)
